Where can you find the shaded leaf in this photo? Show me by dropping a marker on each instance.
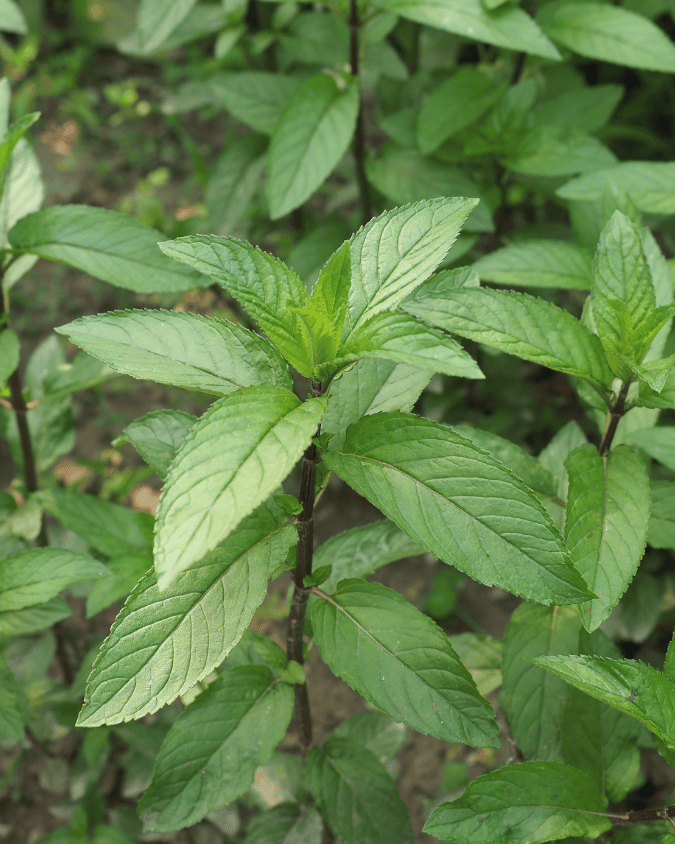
(34, 618)
(11, 715)
(554, 151)
(157, 436)
(586, 109)
(650, 185)
(157, 19)
(9, 353)
(233, 182)
(662, 524)
(375, 731)
(658, 443)
(537, 263)
(257, 98)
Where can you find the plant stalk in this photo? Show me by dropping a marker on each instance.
(359, 145)
(614, 418)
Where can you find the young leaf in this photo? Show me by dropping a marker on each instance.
(406, 665)
(184, 349)
(648, 184)
(11, 715)
(310, 137)
(534, 702)
(210, 754)
(510, 27)
(39, 574)
(234, 458)
(521, 325)
(404, 339)
(394, 253)
(111, 529)
(418, 473)
(606, 523)
(538, 263)
(331, 290)
(363, 550)
(262, 284)
(526, 803)
(157, 436)
(105, 244)
(634, 688)
(162, 643)
(356, 795)
(608, 33)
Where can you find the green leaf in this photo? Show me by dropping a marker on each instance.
(658, 443)
(21, 193)
(371, 386)
(586, 109)
(528, 468)
(162, 643)
(533, 701)
(12, 18)
(482, 655)
(654, 372)
(403, 175)
(234, 458)
(375, 731)
(184, 349)
(210, 754)
(554, 151)
(9, 353)
(157, 436)
(608, 33)
(606, 523)
(631, 687)
(521, 325)
(406, 665)
(285, 823)
(105, 244)
(662, 524)
(233, 182)
(650, 185)
(11, 715)
(538, 263)
(459, 504)
(331, 290)
(356, 795)
(35, 618)
(11, 137)
(455, 104)
(507, 27)
(526, 803)
(109, 528)
(664, 398)
(362, 550)
(404, 339)
(602, 742)
(262, 284)
(39, 574)
(127, 571)
(394, 253)
(157, 19)
(309, 139)
(256, 98)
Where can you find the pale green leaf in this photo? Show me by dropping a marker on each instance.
(521, 325)
(653, 372)
(404, 175)
(111, 529)
(362, 550)
(210, 754)
(127, 571)
(39, 574)
(394, 253)
(22, 193)
(406, 665)
(157, 436)
(9, 353)
(606, 523)
(634, 688)
(309, 139)
(356, 795)
(331, 291)
(650, 185)
(526, 803)
(459, 504)
(608, 33)
(662, 524)
(586, 109)
(162, 643)
(403, 339)
(184, 349)
(262, 284)
(538, 263)
(658, 443)
(532, 700)
(105, 244)
(375, 731)
(11, 715)
(38, 617)
(507, 27)
(664, 398)
(11, 18)
(157, 19)
(455, 104)
(554, 151)
(482, 655)
(257, 98)
(233, 459)
(233, 182)
(285, 823)
(14, 133)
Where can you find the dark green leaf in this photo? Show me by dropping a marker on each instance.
(526, 803)
(459, 504)
(356, 795)
(157, 436)
(210, 754)
(406, 665)
(105, 244)
(538, 263)
(11, 715)
(586, 109)
(235, 457)
(162, 643)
